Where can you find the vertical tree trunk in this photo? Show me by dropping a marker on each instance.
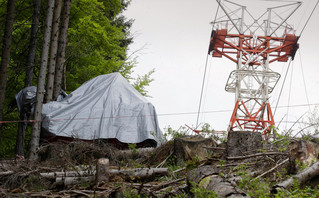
(22, 126)
(5, 58)
(36, 128)
(28, 75)
(61, 49)
(32, 44)
(53, 50)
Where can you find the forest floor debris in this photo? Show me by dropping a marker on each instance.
(69, 170)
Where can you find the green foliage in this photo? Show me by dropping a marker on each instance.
(172, 134)
(261, 187)
(301, 165)
(282, 140)
(194, 163)
(98, 40)
(297, 192)
(143, 81)
(133, 148)
(199, 192)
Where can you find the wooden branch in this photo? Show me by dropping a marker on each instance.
(301, 177)
(226, 165)
(273, 168)
(256, 155)
(163, 162)
(160, 186)
(6, 173)
(214, 148)
(179, 170)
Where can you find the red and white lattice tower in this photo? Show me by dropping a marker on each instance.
(253, 46)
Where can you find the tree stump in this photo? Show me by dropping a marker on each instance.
(191, 147)
(305, 152)
(241, 143)
(102, 170)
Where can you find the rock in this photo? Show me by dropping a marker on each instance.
(197, 174)
(207, 178)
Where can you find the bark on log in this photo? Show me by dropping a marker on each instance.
(301, 177)
(133, 154)
(73, 180)
(53, 175)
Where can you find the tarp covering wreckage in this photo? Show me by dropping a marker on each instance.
(104, 107)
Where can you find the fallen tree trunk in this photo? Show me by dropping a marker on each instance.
(53, 175)
(140, 173)
(301, 177)
(73, 180)
(75, 177)
(6, 173)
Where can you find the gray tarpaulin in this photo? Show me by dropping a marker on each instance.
(26, 98)
(104, 107)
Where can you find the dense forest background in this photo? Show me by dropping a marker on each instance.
(91, 38)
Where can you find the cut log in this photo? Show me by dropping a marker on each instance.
(73, 180)
(141, 173)
(73, 177)
(302, 177)
(133, 154)
(189, 147)
(102, 170)
(52, 175)
(241, 142)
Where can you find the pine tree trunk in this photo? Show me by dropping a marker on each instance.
(36, 128)
(5, 58)
(22, 126)
(28, 75)
(53, 51)
(61, 49)
(32, 44)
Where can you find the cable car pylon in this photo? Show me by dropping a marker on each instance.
(253, 44)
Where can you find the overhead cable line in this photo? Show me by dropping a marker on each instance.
(303, 78)
(289, 94)
(283, 83)
(309, 18)
(204, 77)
